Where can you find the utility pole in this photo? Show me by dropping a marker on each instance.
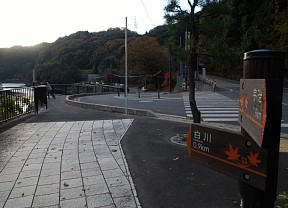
(170, 90)
(126, 69)
(33, 77)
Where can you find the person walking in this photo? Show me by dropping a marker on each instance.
(49, 90)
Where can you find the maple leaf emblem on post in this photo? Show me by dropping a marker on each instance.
(253, 159)
(232, 153)
(247, 161)
(244, 103)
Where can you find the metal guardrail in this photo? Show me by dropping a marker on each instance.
(70, 89)
(208, 81)
(16, 102)
(19, 101)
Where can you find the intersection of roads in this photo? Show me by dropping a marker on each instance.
(220, 106)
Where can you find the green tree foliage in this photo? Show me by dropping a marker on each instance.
(174, 14)
(162, 34)
(64, 60)
(217, 41)
(16, 61)
(61, 73)
(229, 28)
(70, 58)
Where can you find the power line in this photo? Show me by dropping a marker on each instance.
(137, 76)
(147, 13)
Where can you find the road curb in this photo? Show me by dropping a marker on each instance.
(72, 100)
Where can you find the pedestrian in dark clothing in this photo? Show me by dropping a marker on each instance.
(49, 90)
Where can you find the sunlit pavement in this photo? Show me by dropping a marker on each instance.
(284, 145)
(66, 164)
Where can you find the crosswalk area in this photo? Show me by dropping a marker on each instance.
(214, 107)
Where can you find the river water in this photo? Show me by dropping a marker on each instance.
(8, 86)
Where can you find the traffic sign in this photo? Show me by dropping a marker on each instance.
(230, 153)
(253, 108)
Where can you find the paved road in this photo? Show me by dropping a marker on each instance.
(164, 174)
(167, 103)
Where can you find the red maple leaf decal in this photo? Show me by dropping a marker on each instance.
(244, 103)
(232, 153)
(253, 159)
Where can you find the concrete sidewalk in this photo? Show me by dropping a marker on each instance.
(66, 164)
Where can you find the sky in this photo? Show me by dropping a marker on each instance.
(30, 22)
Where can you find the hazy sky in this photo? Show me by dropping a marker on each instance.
(29, 22)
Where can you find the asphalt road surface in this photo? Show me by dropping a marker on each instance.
(165, 177)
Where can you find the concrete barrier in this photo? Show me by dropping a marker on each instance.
(72, 100)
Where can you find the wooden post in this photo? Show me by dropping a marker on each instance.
(158, 90)
(170, 90)
(268, 65)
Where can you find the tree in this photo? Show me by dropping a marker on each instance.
(219, 38)
(175, 14)
(146, 56)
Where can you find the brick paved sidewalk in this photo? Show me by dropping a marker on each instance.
(66, 164)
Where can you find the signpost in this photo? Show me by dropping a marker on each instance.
(253, 107)
(230, 153)
(251, 157)
(268, 65)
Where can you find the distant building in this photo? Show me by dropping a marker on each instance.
(93, 77)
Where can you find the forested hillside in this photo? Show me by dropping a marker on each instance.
(69, 59)
(65, 60)
(227, 29)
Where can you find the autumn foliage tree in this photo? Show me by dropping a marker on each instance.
(146, 59)
(146, 56)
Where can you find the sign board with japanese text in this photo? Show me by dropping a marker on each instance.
(230, 153)
(253, 108)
